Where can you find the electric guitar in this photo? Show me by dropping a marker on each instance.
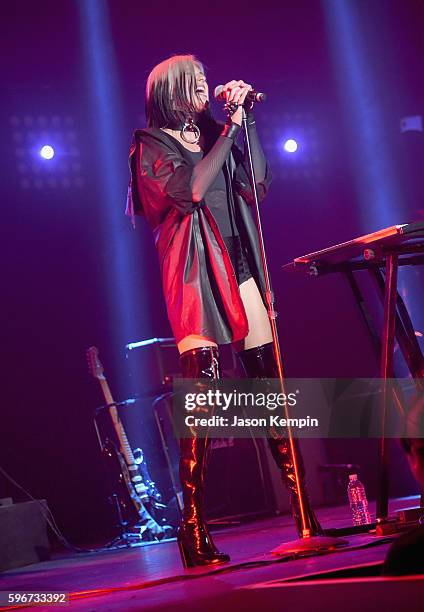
(129, 474)
(136, 487)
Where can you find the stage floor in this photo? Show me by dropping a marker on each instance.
(151, 577)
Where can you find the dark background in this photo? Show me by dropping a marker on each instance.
(62, 285)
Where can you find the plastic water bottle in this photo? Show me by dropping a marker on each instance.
(358, 501)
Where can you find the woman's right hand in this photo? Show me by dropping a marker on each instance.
(236, 92)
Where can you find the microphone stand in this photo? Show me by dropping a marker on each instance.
(308, 542)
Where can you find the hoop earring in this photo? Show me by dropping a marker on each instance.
(190, 127)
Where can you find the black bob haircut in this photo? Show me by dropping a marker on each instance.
(171, 92)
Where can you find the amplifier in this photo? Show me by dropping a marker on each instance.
(238, 482)
(154, 363)
(23, 534)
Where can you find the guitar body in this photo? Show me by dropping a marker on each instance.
(120, 483)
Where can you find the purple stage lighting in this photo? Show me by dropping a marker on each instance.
(47, 152)
(290, 145)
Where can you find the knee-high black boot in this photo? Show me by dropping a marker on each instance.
(259, 362)
(194, 540)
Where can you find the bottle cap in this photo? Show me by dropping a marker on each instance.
(353, 476)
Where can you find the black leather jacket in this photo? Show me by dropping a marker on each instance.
(199, 283)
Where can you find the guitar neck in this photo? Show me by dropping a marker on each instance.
(120, 432)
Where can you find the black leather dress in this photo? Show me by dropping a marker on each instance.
(221, 207)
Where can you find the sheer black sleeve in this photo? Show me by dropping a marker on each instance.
(259, 161)
(206, 170)
(161, 177)
(260, 165)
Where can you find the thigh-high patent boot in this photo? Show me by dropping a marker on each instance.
(259, 362)
(194, 541)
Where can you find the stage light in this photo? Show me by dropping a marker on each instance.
(47, 152)
(411, 124)
(290, 145)
(28, 135)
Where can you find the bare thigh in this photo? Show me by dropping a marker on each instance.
(194, 341)
(257, 317)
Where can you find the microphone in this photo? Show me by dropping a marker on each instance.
(255, 96)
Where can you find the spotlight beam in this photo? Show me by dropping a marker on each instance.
(111, 150)
(376, 173)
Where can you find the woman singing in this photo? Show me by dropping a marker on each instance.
(191, 182)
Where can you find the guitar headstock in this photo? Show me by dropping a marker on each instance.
(95, 366)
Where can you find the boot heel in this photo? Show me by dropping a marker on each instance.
(185, 556)
(192, 556)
